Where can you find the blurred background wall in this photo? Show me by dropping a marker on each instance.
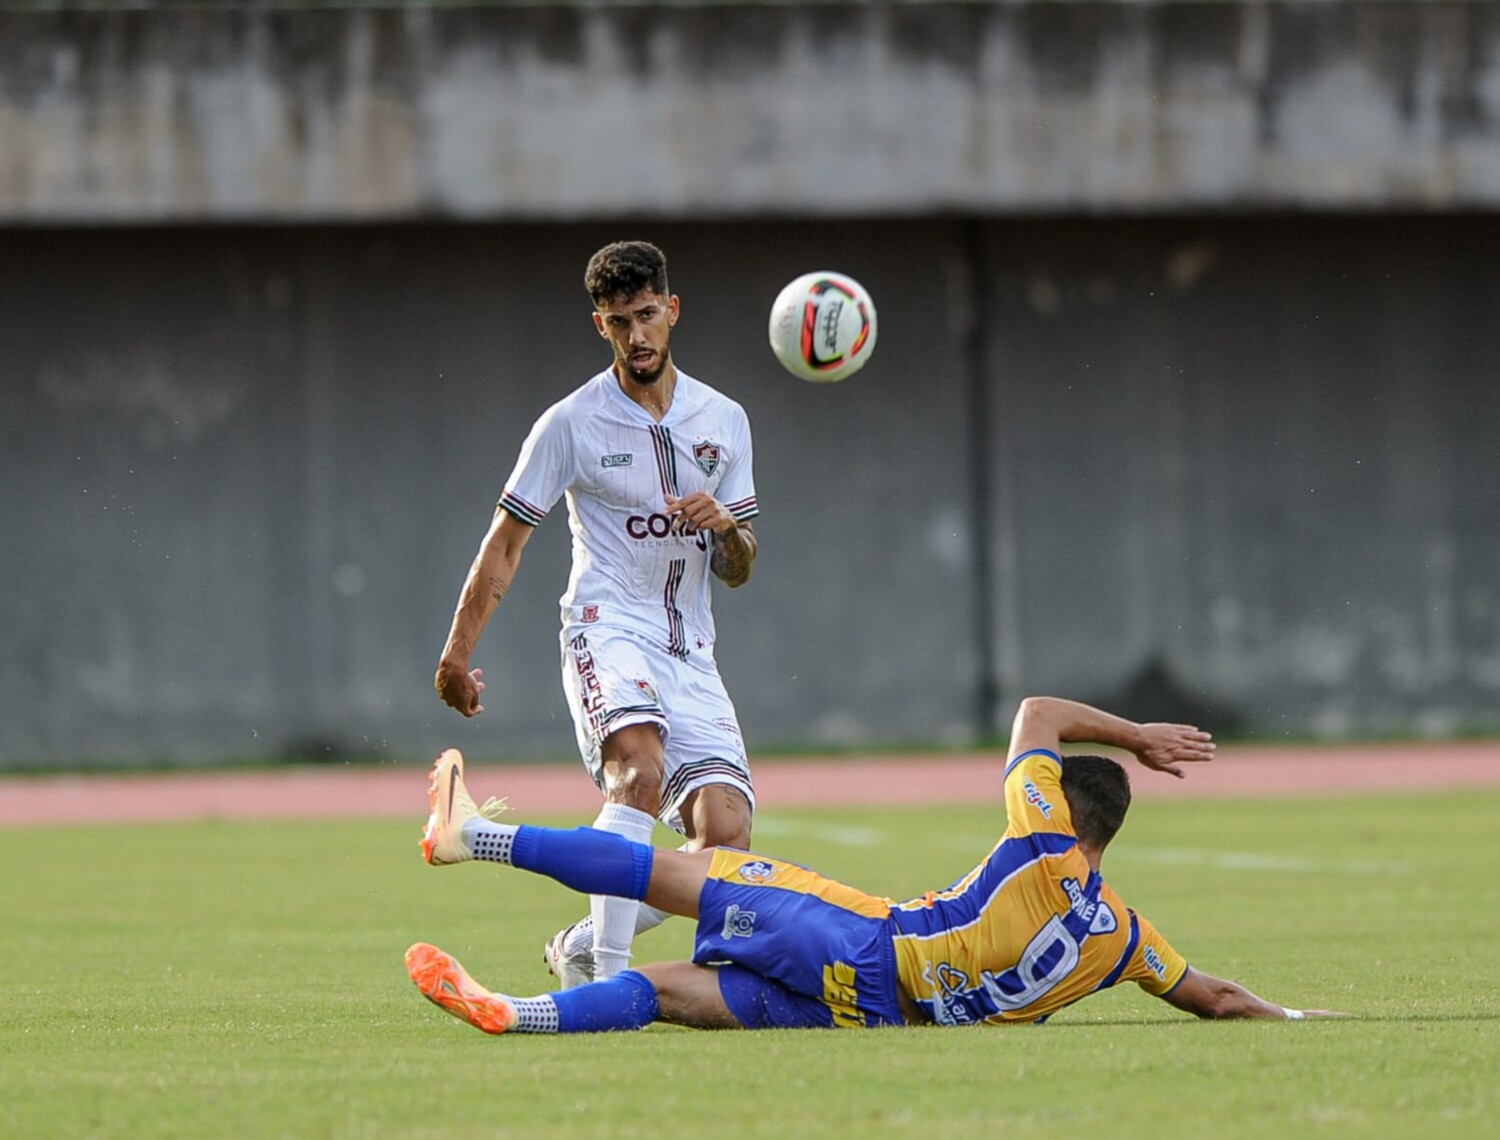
(1185, 398)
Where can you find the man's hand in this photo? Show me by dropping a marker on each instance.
(1204, 995)
(1164, 747)
(733, 544)
(460, 688)
(700, 511)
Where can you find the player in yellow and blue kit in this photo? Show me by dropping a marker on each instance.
(1031, 929)
(1037, 901)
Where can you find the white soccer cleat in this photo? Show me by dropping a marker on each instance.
(570, 970)
(452, 807)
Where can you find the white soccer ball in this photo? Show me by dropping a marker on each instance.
(823, 327)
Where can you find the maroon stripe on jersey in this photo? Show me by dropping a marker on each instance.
(521, 509)
(743, 509)
(666, 459)
(676, 634)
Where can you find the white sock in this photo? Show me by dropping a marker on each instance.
(614, 918)
(534, 1015)
(580, 939)
(489, 840)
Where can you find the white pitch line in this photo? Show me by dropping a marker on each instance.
(842, 836)
(1250, 861)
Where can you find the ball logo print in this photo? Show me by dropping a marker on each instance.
(823, 327)
(757, 872)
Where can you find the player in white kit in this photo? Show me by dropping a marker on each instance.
(656, 470)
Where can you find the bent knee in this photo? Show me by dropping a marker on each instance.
(635, 786)
(634, 767)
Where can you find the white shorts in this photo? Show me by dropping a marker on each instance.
(613, 679)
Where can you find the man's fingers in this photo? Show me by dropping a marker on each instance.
(1193, 733)
(1184, 731)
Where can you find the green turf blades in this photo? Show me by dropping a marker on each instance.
(246, 980)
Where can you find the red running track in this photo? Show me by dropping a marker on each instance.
(320, 792)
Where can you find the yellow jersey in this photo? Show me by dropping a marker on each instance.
(1032, 928)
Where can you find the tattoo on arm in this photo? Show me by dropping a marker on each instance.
(732, 555)
(499, 587)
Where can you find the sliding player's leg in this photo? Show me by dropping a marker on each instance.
(626, 1001)
(690, 772)
(676, 992)
(585, 859)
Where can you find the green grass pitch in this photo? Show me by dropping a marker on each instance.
(246, 980)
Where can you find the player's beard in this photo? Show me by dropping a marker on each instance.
(663, 355)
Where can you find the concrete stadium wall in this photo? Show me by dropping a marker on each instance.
(568, 112)
(1244, 468)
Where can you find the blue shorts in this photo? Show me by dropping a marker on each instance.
(802, 951)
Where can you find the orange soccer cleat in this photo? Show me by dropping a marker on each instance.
(447, 984)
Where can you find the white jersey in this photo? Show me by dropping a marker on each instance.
(617, 466)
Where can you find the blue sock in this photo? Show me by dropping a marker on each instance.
(591, 862)
(626, 1001)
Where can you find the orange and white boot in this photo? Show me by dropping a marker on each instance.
(445, 983)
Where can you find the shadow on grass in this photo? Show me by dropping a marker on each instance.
(1377, 1018)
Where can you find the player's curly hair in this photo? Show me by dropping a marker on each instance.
(1098, 792)
(623, 269)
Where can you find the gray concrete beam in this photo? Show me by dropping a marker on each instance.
(743, 110)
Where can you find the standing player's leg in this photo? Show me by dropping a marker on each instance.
(710, 815)
(634, 765)
(713, 816)
(716, 815)
(612, 696)
(693, 775)
(708, 795)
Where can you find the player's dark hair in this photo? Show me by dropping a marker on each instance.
(623, 269)
(1098, 792)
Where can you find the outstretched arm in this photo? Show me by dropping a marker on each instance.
(1049, 722)
(489, 580)
(1206, 996)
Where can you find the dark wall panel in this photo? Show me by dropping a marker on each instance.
(1251, 464)
(255, 465)
(1260, 455)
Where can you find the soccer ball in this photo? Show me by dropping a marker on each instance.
(823, 327)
